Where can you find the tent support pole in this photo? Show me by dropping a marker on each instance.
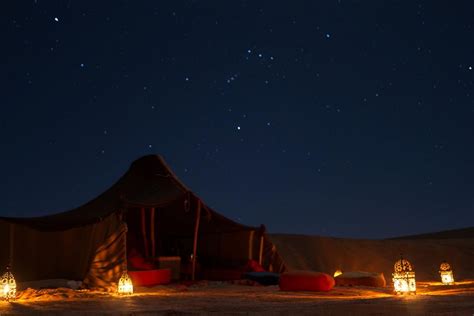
(145, 240)
(260, 251)
(152, 232)
(262, 230)
(196, 231)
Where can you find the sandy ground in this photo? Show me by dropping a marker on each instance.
(219, 298)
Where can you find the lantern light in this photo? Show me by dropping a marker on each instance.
(7, 286)
(125, 285)
(446, 273)
(337, 273)
(404, 277)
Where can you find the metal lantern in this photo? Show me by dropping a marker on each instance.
(446, 273)
(404, 277)
(125, 285)
(7, 286)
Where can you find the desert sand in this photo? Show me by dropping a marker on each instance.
(220, 298)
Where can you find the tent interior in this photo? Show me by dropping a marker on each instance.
(221, 247)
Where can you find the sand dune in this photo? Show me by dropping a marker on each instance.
(425, 252)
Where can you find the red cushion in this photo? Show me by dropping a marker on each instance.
(150, 277)
(254, 266)
(140, 264)
(306, 281)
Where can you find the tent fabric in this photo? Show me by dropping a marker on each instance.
(89, 241)
(148, 182)
(39, 255)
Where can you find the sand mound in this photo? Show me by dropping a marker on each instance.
(327, 254)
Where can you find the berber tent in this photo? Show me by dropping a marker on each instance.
(147, 209)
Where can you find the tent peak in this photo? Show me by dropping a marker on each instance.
(155, 164)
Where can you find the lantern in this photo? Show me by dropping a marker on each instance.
(446, 273)
(404, 277)
(7, 286)
(125, 285)
(337, 273)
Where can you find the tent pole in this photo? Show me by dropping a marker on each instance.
(260, 251)
(152, 232)
(145, 241)
(196, 231)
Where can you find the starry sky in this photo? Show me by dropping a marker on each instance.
(341, 118)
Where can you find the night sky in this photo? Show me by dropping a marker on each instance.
(340, 118)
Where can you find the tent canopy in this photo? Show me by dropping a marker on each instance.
(149, 183)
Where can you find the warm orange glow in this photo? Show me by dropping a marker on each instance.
(404, 277)
(446, 273)
(7, 286)
(338, 272)
(125, 285)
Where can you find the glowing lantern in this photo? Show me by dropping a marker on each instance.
(7, 286)
(338, 272)
(446, 273)
(125, 285)
(404, 277)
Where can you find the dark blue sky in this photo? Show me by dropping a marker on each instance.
(342, 118)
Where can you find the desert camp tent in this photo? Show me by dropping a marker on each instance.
(148, 211)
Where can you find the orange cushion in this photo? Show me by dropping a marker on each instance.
(306, 281)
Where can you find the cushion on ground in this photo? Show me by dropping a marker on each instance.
(150, 277)
(306, 281)
(264, 278)
(254, 266)
(139, 263)
(360, 278)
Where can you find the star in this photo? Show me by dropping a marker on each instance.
(470, 67)
(238, 128)
(56, 19)
(328, 35)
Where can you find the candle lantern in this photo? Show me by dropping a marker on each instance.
(7, 286)
(125, 285)
(404, 277)
(446, 273)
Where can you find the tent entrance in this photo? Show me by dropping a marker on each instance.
(151, 240)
